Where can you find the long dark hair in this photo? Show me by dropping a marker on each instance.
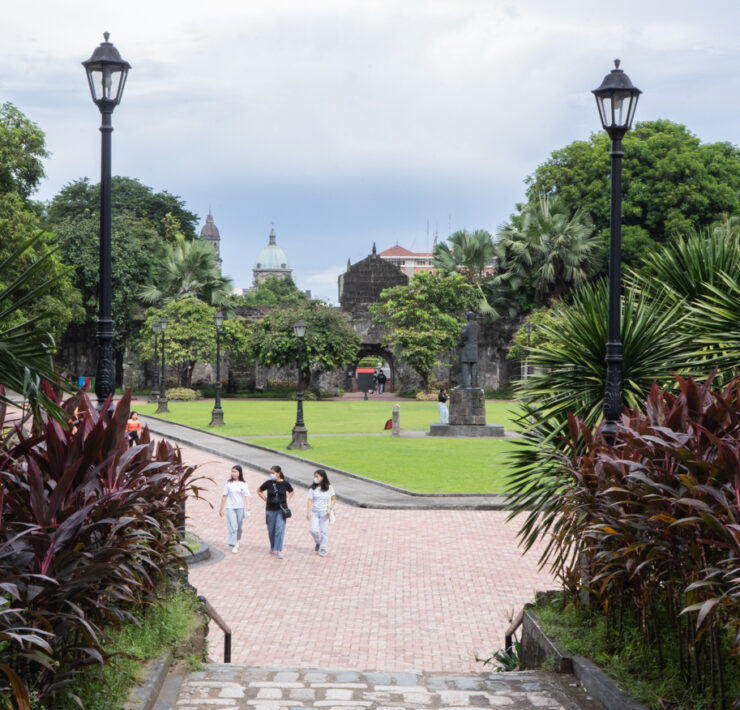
(324, 480)
(239, 469)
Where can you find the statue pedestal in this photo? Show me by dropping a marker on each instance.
(467, 415)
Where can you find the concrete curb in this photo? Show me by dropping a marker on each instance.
(492, 501)
(602, 687)
(144, 696)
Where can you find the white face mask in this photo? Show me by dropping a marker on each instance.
(316, 479)
(272, 476)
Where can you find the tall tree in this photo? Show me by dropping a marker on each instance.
(273, 291)
(188, 268)
(551, 250)
(130, 198)
(22, 148)
(469, 253)
(672, 182)
(423, 319)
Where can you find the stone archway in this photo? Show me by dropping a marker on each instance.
(375, 350)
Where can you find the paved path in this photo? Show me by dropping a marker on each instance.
(351, 489)
(278, 689)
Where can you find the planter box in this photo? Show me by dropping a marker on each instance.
(537, 649)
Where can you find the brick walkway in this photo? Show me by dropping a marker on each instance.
(401, 590)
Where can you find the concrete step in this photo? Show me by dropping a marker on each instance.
(241, 687)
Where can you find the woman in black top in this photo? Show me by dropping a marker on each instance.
(444, 413)
(276, 492)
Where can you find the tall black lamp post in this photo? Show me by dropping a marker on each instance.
(106, 74)
(300, 435)
(154, 396)
(162, 407)
(616, 99)
(217, 416)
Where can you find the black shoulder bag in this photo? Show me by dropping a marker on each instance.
(283, 506)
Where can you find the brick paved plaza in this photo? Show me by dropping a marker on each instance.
(420, 590)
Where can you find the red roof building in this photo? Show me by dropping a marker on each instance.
(408, 261)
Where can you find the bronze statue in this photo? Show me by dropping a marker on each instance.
(469, 358)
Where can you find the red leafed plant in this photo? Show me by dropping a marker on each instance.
(650, 521)
(88, 533)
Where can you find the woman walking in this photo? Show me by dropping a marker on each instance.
(276, 492)
(234, 500)
(444, 413)
(321, 502)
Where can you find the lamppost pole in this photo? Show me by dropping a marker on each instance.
(616, 100)
(155, 378)
(106, 75)
(162, 407)
(300, 434)
(217, 416)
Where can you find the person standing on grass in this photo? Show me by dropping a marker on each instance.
(321, 502)
(234, 500)
(444, 413)
(276, 492)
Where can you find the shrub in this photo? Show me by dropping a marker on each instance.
(88, 533)
(426, 396)
(182, 394)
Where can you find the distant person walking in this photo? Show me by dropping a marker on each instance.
(381, 381)
(276, 492)
(444, 413)
(321, 502)
(133, 429)
(234, 501)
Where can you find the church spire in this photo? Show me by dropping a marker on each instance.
(375, 251)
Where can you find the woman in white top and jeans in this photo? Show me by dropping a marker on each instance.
(321, 502)
(234, 499)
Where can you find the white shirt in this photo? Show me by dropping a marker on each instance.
(235, 492)
(321, 499)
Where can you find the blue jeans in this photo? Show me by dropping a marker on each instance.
(275, 528)
(234, 518)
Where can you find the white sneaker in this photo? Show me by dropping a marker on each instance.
(235, 549)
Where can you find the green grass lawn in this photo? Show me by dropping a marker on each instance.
(425, 465)
(256, 417)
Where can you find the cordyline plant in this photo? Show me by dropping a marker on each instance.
(649, 523)
(88, 534)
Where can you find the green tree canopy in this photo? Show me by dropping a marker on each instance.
(273, 291)
(469, 253)
(22, 148)
(549, 250)
(673, 183)
(190, 337)
(80, 199)
(329, 341)
(424, 318)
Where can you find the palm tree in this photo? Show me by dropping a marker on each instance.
(552, 250)
(470, 254)
(188, 269)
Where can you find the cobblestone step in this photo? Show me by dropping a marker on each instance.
(231, 687)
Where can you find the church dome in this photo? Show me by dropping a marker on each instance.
(210, 230)
(272, 256)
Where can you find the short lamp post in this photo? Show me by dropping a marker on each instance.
(162, 407)
(528, 327)
(106, 75)
(616, 99)
(217, 416)
(300, 435)
(154, 396)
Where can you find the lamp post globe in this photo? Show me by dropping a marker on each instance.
(106, 75)
(162, 407)
(154, 395)
(300, 433)
(217, 415)
(616, 100)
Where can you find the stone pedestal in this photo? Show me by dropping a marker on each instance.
(396, 421)
(467, 415)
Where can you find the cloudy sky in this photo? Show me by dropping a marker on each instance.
(348, 122)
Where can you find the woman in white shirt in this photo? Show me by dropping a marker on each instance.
(234, 500)
(321, 502)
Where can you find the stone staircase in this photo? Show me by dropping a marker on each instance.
(232, 687)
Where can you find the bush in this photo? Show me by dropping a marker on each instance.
(426, 396)
(182, 394)
(88, 535)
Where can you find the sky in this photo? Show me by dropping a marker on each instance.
(346, 123)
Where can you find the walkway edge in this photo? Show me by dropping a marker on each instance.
(492, 501)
